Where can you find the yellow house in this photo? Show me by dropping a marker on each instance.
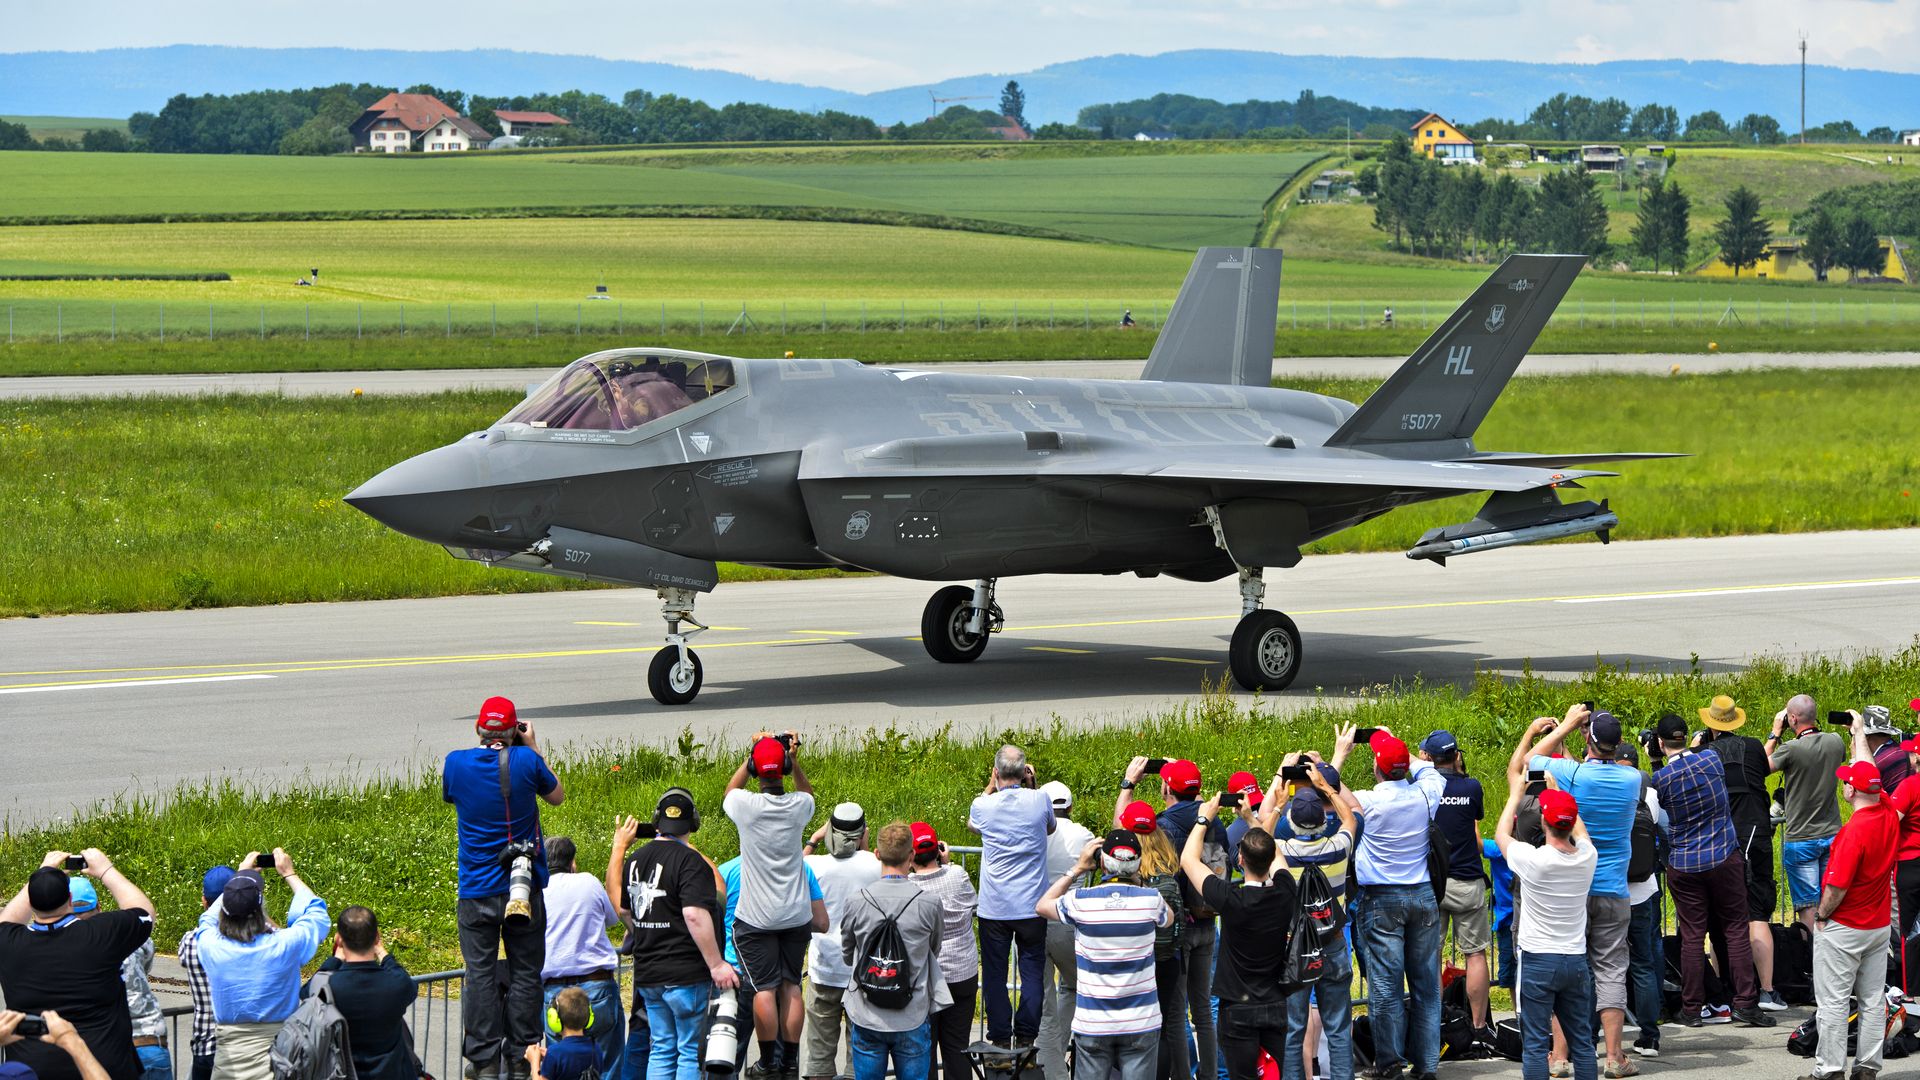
(1435, 137)
(1782, 262)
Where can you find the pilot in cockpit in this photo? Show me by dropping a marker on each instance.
(647, 391)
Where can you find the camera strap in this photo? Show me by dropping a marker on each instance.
(506, 791)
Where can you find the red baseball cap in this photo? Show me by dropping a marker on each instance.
(1914, 704)
(1389, 755)
(497, 717)
(1558, 809)
(1246, 786)
(769, 758)
(1139, 817)
(924, 838)
(1861, 776)
(1911, 746)
(1182, 777)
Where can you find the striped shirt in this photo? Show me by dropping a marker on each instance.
(1113, 927)
(959, 953)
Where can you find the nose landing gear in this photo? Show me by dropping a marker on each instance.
(674, 675)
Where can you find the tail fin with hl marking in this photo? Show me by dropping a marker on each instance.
(1445, 388)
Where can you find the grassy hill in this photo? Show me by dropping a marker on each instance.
(66, 127)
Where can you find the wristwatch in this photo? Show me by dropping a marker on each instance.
(1126, 785)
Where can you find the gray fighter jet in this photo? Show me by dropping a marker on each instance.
(649, 466)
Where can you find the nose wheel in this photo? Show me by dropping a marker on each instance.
(674, 675)
(957, 620)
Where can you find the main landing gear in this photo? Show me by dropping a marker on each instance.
(674, 674)
(1265, 651)
(957, 620)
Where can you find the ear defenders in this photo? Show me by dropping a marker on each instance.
(555, 1027)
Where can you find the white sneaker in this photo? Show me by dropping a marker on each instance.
(1771, 1001)
(1646, 1051)
(1716, 1014)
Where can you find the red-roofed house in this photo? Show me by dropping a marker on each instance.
(1010, 131)
(414, 123)
(517, 122)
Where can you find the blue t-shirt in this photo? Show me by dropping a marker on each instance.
(570, 1058)
(1459, 819)
(1606, 794)
(730, 877)
(1502, 883)
(470, 780)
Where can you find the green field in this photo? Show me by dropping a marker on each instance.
(66, 127)
(344, 835)
(188, 527)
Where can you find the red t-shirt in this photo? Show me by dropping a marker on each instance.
(1905, 802)
(1861, 862)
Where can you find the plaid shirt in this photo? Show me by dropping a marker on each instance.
(203, 1023)
(959, 954)
(1693, 792)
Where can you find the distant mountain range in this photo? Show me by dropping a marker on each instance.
(116, 82)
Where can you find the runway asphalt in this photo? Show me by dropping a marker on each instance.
(324, 383)
(270, 695)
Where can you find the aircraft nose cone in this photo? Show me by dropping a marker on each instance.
(428, 497)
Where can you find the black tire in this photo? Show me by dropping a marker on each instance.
(1265, 653)
(943, 627)
(661, 681)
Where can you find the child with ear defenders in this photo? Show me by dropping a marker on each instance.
(574, 1056)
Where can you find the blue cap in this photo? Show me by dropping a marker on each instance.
(1306, 813)
(1440, 742)
(214, 882)
(15, 1070)
(80, 892)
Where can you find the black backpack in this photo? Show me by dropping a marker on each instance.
(883, 973)
(1644, 860)
(1166, 939)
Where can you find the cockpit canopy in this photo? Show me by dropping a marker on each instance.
(620, 391)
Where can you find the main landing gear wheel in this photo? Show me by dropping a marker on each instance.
(672, 682)
(946, 626)
(1265, 652)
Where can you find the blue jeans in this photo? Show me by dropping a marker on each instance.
(1503, 941)
(1555, 986)
(1401, 933)
(1334, 994)
(1101, 1057)
(157, 1061)
(609, 1024)
(998, 937)
(1805, 864)
(911, 1050)
(678, 1017)
(1646, 959)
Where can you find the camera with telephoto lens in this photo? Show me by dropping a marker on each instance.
(723, 1034)
(517, 857)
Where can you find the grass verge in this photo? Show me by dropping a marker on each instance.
(154, 503)
(97, 355)
(389, 843)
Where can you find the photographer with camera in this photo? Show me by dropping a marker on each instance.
(937, 876)
(496, 789)
(374, 995)
(1057, 975)
(51, 959)
(579, 953)
(842, 872)
(1320, 830)
(53, 1030)
(143, 1005)
(1806, 766)
(669, 891)
(1013, 818)
(773, 922)
(253, 967)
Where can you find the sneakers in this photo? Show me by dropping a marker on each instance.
(763, 1070)
(1384, 1072)
(1716, 1014)
(1559, 1068)
(1753, 1017)
(1626, 1066)
(1771, 1001)
(1647, 1050)
(1866, 1074)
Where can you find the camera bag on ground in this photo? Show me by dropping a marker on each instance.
(882, 973)
(1793, 962)
(312, 1043)
(1507, 1040)
(1457, 1038)
(1902, 1035)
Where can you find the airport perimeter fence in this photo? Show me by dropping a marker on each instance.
(147, 320)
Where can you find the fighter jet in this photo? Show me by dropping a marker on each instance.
(648, 466)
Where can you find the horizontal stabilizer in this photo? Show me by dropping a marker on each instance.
(1221, 327)
(1445, 388)
(1558, 461)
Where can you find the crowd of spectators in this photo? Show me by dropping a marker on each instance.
(1200, 933)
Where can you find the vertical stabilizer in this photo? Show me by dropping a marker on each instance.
(1221, 327)
(1445, 388)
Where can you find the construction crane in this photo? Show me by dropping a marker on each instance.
(939, 101)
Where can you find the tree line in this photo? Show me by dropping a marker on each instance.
(1189, 117)
(1459, 213)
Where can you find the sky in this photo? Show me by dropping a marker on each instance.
(865, 45)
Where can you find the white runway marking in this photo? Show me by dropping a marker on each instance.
(1687, 594)
(116, 684)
